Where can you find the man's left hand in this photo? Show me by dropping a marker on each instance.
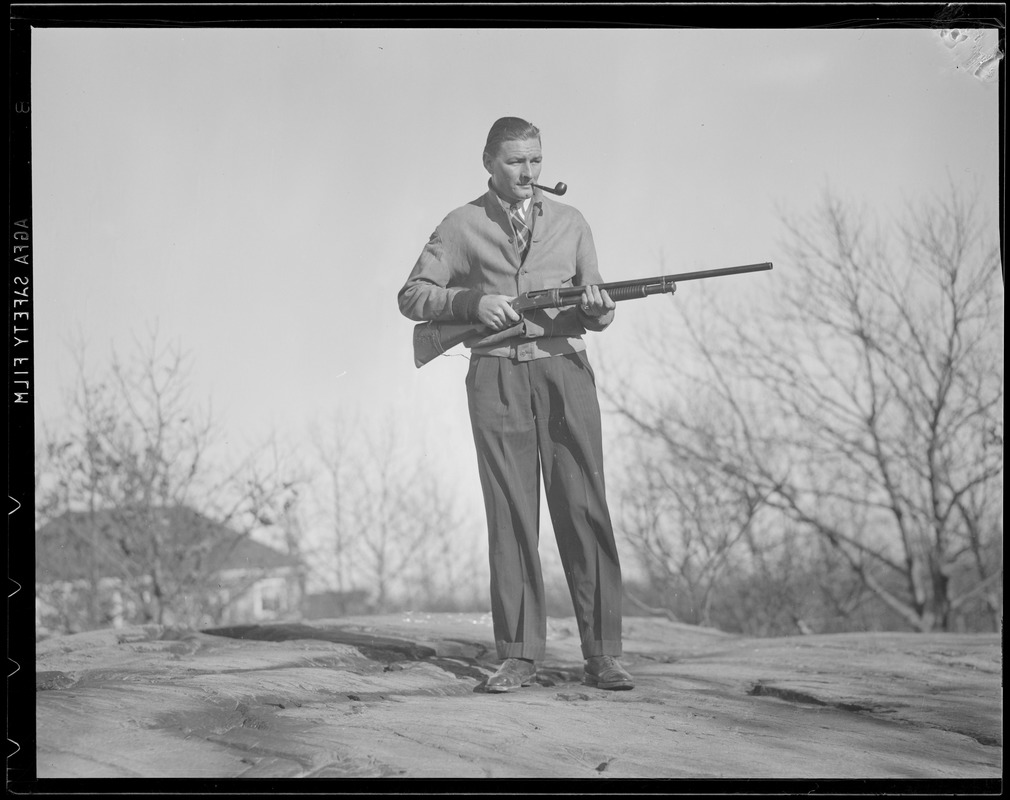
(596, 302)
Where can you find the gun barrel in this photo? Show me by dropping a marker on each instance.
(626, 290)
(686, 276)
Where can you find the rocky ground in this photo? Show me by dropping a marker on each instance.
(402, 696)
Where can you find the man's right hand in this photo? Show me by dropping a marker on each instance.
(495, 311)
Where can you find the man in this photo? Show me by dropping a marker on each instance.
(532, 400)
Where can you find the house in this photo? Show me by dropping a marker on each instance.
(171, 565)
(330, 604)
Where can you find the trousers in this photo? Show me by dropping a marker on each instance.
(529, 416)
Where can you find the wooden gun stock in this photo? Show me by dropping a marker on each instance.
(432, 339)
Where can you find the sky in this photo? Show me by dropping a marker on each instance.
(261, 194)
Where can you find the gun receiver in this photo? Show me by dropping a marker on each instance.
(432, 339)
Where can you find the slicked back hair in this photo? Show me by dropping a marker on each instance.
(509, 129)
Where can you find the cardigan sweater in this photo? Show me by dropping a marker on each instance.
(473, 253)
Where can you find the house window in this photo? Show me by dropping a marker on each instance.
(271, 598)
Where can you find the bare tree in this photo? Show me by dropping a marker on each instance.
(333, 454)
(863, 403)
(395, 524)
(682, 521)
(141, 500)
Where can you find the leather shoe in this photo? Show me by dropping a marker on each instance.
(606, 672)
(513, 673)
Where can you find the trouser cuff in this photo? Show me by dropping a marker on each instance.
(531, 650)
(602, 647)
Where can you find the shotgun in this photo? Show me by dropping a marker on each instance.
(432, 339)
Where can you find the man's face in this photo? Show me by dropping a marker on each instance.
(514, 168)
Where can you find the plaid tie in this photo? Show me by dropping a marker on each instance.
(522, 232)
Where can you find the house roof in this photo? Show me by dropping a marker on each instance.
(77, 543)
